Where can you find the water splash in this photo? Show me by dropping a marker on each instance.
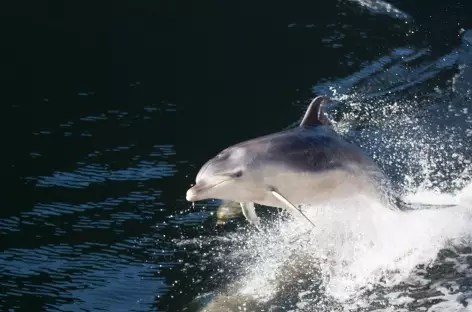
(362, 256)
(383, 7)
(356, 247)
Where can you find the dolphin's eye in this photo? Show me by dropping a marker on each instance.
(237, 174)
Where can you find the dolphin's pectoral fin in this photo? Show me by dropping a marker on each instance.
(289, 204)
(249, 211)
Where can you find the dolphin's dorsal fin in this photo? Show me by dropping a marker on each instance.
(314, 115)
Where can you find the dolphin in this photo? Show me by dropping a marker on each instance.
(308, 164)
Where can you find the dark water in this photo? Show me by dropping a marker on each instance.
(113, 106)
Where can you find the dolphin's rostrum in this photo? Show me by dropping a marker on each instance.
(308, 164)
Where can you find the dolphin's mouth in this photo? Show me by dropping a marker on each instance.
(199, 191)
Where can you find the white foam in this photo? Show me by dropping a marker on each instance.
(465, 195)
(355, 246)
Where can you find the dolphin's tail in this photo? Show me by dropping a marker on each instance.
(464, 197)
(406, 206)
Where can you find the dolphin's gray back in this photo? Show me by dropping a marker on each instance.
(305, 149)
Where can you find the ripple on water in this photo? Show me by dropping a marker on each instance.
(41, 212)
(70, 253)
(97, 173)
(85, 274)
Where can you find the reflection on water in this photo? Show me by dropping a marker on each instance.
(99, 245)
(95, 217)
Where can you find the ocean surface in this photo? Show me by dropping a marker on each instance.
(110, 108)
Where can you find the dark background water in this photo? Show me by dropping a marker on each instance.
(111, 107)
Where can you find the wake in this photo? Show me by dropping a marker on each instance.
(358, 246)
